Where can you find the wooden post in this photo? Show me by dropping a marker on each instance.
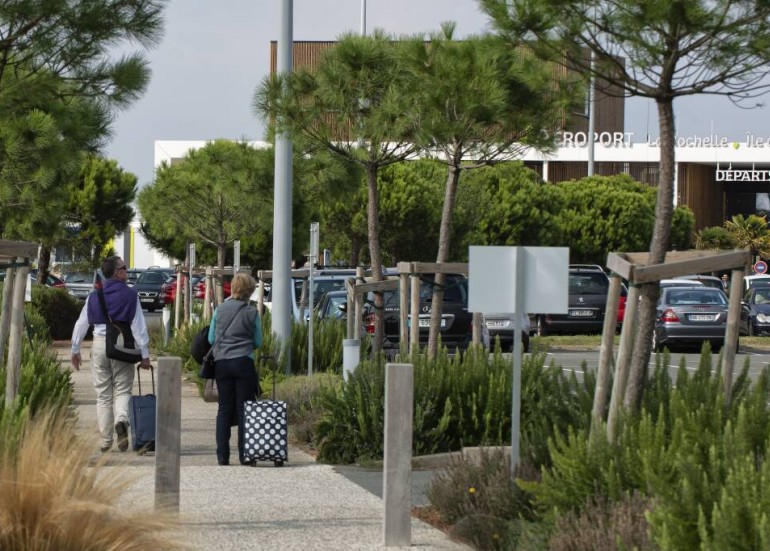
(358, 307)
(403, 304)
(476, 328)
(5, 315)
(732, 331)
(178, 299)
(181, 290)
(261, 297)
(606, 351)
(414, 314)
(627, 335)
(16, 333)
(350, 309)
(168, 433)
(397, 468)
(208, 292)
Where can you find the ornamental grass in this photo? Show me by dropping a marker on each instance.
(51, 499)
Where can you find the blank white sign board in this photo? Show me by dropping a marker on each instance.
(494, 273)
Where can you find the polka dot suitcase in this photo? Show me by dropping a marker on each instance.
(265, 431)
(266, 428)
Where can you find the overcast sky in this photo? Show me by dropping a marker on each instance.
(214, 54)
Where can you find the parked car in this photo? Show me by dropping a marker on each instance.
(332, 305)
(757, 302)
(456, 321)
(133, 275)
(148, 286)
(50, 281)
(500, 326)
(755, 281)
(168, 289)
(664, 283)
(588, 290)
(707, 280)
(691, 315)
(79, 284)
(622, 298)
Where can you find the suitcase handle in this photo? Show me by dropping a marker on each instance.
(139, 378)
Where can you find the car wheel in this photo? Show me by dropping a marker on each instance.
(542, 328)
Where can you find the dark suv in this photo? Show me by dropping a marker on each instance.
(148, 287)
(588, 289)
(456, 322)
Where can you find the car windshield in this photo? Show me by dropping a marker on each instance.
(588, 284)
(152, 278)
(79, 278)
(682, 297)
(333, 304)
(324, 286)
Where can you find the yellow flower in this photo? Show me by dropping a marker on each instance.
(495, 536)
(471, 490)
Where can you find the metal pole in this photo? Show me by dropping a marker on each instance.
(591, 117)
(313, 257)
(281, 309)
(517, 352)
(363, 17)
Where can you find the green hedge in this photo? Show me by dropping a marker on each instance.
(460, 401)
(703, 464)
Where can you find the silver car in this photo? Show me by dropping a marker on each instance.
(690, 315)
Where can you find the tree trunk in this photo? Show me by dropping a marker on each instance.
(664, 212)
(373, 225)
(219, 291)
(445, 232)
(44, 263)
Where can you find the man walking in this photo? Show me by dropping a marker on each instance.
(113, 379)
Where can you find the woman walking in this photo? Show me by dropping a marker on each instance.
(234, 333)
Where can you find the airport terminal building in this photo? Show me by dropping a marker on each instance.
(715, 177)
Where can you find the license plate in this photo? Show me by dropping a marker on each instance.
(702, 317)
(495, 323)
(425, 322)
(146, 300)
(581, 313)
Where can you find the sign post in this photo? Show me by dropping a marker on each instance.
(516, 280)
(313, 260)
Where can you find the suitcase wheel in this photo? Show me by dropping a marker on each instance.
(278, 462)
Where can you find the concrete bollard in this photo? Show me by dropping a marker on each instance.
(351, 356)
(168, 433)
(397, 480)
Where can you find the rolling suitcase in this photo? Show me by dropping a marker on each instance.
(266, 431)
(141, 410)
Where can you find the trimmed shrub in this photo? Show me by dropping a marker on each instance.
(58, 308)
(459, 401)
(43, 384)
(703, 464)
(605, 525)
(301, 396)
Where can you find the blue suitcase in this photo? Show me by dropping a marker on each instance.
(141, 411)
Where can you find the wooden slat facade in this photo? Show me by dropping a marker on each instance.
(698, 189)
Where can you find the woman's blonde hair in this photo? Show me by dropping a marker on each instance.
(242, 286)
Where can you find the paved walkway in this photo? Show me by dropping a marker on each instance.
(303, 505)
